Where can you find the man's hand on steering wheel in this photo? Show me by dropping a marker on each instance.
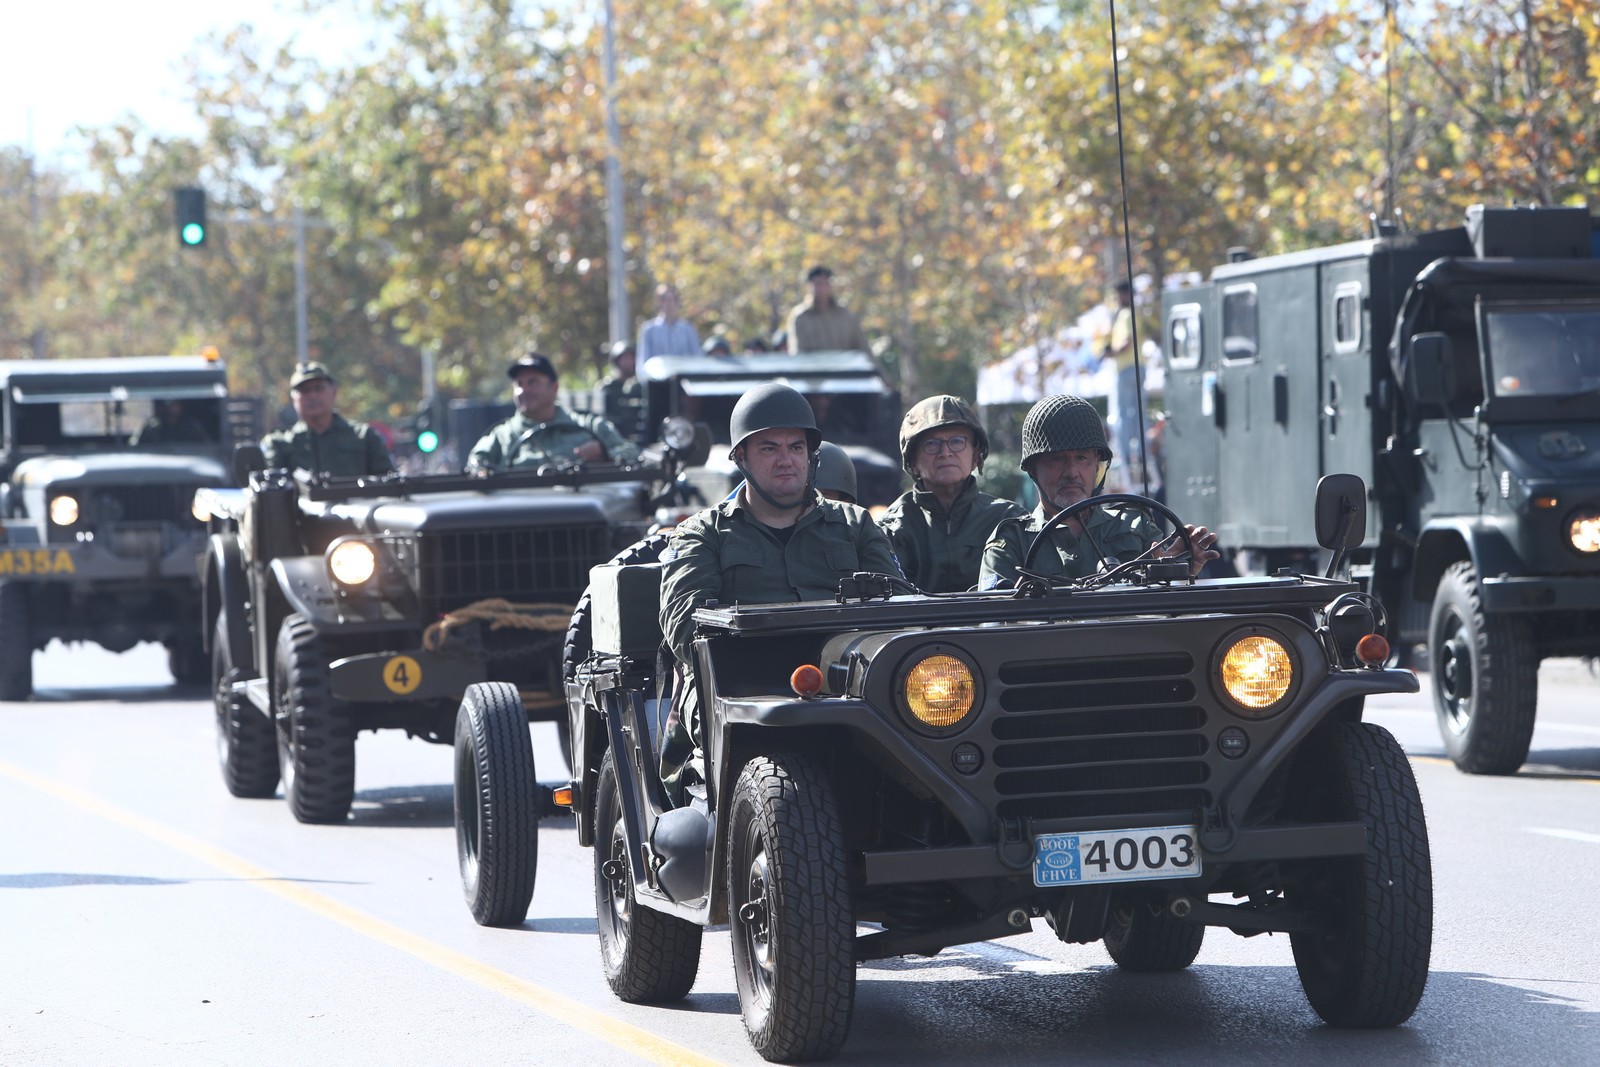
(1204, 542)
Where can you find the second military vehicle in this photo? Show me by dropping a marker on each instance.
(1458, 372)
(99, 463)
(1131, 759)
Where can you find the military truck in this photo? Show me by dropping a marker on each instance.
(98, 541)
(1458, 372)
(336, 605)
(856, 408)
(1131, 759)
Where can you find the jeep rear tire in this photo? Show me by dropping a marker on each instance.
(247, 745)
(1149, 941)
(1368, 966)
(789, 910)
(316, 742)
(648, 957)
(1485, 671)
(16, 643)
(496, 804)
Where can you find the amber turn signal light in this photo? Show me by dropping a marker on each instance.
(1373, 650)
(806, 681)
(561, 795)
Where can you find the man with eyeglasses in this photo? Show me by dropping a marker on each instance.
(938, 528)
(1065, 452)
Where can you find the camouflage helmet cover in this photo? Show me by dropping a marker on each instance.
(933, 413)
(1063, 424)
(836, 470)
(771, 407)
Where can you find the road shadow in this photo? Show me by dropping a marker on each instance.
(122, 694)
(1578, 763)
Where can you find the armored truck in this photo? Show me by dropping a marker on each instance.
(1128, 759)
(856, 408)
(1458, 372)
(336, 605)
(99, 463)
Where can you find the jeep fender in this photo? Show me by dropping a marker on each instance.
(1448, 541)
(304, 583)
(224, 590)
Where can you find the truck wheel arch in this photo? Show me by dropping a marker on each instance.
(1445, 543)
(224, 592)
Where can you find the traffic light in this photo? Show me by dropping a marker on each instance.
(427, 434)
(191, 205)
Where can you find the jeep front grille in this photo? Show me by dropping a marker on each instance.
(1106, 737)
(543, 564)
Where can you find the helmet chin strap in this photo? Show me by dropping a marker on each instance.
(805, 497)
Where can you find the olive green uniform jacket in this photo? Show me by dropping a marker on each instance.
(520, 442)
(345, 449)
(1124, 536)
(724, 554)
(829, 329)
(939, 551)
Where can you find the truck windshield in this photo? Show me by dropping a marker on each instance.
(1543, 352)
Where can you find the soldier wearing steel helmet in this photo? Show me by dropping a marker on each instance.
(1064, 451)
(939, 527)
(775, 540)
(836, 473)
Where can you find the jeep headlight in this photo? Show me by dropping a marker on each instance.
(1583, 531)
(64, 510)
(677, 433)
(1256, 672)
(939, 690)
(352, 562)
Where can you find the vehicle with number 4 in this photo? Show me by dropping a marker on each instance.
(1130, 758)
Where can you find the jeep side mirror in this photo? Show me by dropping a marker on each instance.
(247, 459)
(1341, 511)
(1431, 370)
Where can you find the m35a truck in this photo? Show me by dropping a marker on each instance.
(1458, 373)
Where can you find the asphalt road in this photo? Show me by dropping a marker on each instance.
(149, 918)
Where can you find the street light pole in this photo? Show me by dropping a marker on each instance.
(621, 326)
(301, 346)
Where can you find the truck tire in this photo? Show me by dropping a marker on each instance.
(1485, 671)
(1367, 968)
(16, 643)
(1149, 941)
(186, 659)
(648, 957)
(789, 910)
(316, 741)
(247, 745)
(496, 804)
(580, 640)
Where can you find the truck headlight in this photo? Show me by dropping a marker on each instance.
(64, 510)
(1583, 530)
(1256, 671)
(940, 690)
(352, 562)
(677, 433)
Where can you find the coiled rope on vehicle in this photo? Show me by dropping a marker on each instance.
(499, 614)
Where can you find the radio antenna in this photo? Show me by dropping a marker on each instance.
(1127, 258)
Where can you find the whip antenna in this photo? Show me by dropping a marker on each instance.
(1127, 257)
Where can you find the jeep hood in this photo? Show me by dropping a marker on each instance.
(127, 468)
(473, 511)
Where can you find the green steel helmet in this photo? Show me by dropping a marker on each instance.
(1063, 424)
(931, 414)
(836, 471)
(772, 407)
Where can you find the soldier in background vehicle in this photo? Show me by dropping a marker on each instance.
(717, 345)
(820, 323)
(1064, 451)
(543, 431)
(836, 473)
(171, 425)
(618, 396)
(940, 526)
(776, 540)
(321, 440)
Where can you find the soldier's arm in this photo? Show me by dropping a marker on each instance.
(486, 453)
(619, 448)
(859, 341)
(276, 449)
(1001, 556)
(901, 542)
(693, 575)
(874, 550)
(378, 459)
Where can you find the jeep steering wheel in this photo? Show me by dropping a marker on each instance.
(1152, 508)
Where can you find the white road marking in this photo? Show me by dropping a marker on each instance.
(1570, 835)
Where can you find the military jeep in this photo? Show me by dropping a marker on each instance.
(98, 541)
(336, 605)
(1131, 758)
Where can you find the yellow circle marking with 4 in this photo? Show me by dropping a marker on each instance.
(402, 675)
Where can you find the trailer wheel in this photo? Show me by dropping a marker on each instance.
(1367, 967)
(316, 741)
(648, 957)
(1147, 940)
(497, 804)
(16, 643)
(1485, 672)
(247, 745)
(789, 910)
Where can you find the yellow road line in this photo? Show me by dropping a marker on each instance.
(613, 1031)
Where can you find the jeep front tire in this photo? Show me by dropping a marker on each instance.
(316, 743)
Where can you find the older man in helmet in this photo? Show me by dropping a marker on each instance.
(775, 540)
(1064, 451)
(940, 526)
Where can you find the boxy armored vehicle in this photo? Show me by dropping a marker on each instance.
(336, 605)
(1130, 759)
(98, 541)
(1458, 373)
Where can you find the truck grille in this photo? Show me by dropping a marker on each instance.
(542, 564)
(144, 503)
(1109, 737)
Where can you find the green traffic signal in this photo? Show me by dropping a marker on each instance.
(189, 203)
(193, 234)
(427, 441)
